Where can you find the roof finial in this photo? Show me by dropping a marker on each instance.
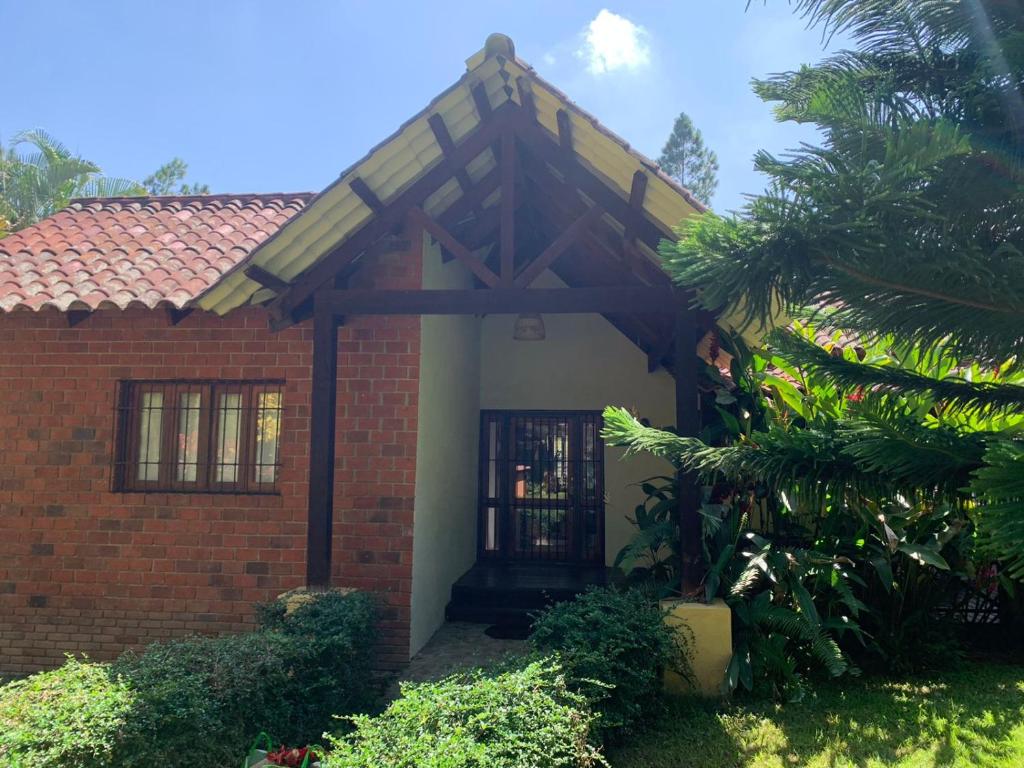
(499, 45)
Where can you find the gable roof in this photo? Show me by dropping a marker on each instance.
(497, 77)
(146, 251)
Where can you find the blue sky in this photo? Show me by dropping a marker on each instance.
(282, 96)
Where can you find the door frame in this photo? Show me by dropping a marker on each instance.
(503, 505)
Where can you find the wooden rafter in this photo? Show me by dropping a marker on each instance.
(526, 97)
(266, 279)
(447, 144)
(564, 130)
(547, 257)
(597, 299)
(539, 141)
(508, 207)
(366, 194)
(392, 216)
(482, 102)
(418, 218)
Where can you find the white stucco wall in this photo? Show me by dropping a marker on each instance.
(583, 364)
(447, 447)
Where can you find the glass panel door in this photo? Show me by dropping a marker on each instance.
(542, 486)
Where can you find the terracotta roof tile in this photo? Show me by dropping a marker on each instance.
(124, 251)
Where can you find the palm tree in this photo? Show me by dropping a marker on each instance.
(40, 181)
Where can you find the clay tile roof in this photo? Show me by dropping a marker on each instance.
(148, 251)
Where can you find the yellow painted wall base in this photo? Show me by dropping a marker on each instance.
(707, 630)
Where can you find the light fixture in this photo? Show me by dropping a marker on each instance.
(529, 327)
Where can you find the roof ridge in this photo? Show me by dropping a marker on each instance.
(190, 198)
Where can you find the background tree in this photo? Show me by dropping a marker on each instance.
(904, 227)
(39, 176)
(686, 159)
(167, 180)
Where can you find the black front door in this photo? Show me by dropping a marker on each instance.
(541, 486)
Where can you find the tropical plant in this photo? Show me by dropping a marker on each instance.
(39, 176)
(900, 238)
(685, 158)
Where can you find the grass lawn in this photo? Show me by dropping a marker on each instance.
(971, 717)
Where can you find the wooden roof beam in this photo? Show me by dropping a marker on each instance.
(508, 208)
(418, 218)
(501, 301)
(347, 252)
(564, 130)
(526, 97)
(366, 194)
(547, 257)
(539, 141)
(266, 279)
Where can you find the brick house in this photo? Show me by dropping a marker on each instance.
(394, 384)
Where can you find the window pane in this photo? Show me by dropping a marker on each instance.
(188, 436)
(229, 425)
(150, 413)
(268, 427)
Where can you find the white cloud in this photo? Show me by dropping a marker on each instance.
(612, 42)
(549, 59)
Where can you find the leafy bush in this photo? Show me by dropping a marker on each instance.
(70, 717)
(334, 635)
(614, 646)
(287, 678)
(198, 702)
(525, 718)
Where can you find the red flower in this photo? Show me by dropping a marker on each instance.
(291, 758)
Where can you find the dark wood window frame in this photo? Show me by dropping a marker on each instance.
(215, 462)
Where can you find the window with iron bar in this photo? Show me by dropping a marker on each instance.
(198, 436)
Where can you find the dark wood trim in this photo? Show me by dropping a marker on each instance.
(457, 249)
(656, 357)
(323, 413)
(77, 316)
(548, 256)
(526, 97)
(564, 131)
(687, 397)
(602, 299)
(508, 207)
(539, 141)
(366, 194)
(482, 102)
(392, 216)
(266, 279)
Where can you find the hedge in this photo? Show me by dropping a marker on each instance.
(525, 718)
(198, 702)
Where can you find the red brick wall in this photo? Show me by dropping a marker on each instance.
(85, 569)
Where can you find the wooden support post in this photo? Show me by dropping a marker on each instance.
(688, 424)
(508, 208)
(321, 446)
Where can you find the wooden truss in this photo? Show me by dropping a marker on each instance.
(553, 214)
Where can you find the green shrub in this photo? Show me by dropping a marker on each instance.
(200, 701)
(197, 702)
(524, 718)
(614, 646)
(70, 717)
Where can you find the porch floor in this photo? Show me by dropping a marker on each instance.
(455, 647)
(509, 593)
